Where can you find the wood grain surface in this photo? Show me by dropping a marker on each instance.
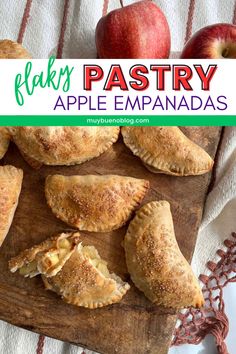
(134, 326)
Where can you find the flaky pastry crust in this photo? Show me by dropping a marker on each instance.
(167, 150)
(12, 50)
(85, 280)
(63, 145)
(10, 188)
(4, 141)
(94, 203)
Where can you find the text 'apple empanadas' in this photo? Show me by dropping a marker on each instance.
(167, 150)
(4, 141)
(10, 187)
(94, 203)
(63, 145)
(45, 258)
(85, 280)
(74, 271)
(155, 262)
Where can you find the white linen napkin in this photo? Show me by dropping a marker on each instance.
(219, 219)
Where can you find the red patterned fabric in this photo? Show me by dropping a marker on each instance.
(24, 21)
(63, 29)
(40, 345)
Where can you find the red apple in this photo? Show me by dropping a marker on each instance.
(212, 42)
(137, 31)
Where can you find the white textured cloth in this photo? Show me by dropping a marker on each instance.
(218, 223)
(43, 29)
(219, 219)
(41, 38)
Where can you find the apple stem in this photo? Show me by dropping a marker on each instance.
(225, 53)
(121, 3)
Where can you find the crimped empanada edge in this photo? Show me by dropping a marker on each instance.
(127, 213)
(162, 166)
(36, 162)
(121, 289)
(93, 305)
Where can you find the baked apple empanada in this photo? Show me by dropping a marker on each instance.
(4, 141)
(10, 187)
(63, 145)
(94, 203)
(167, 150)
(13, 50)
(85, 280)
(155, 262)
(46, 258)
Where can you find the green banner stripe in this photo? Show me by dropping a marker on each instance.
(187, 120)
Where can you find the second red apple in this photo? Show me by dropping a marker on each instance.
(212, 42)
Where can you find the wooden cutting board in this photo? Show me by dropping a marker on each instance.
(134, 326)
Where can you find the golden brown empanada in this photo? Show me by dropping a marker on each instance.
(85, 280)
(155, 262)
(4, 141)
(63, 145)
(167, 150)
(94, 203)
(46, 258)
(10, 187)
(12, 50)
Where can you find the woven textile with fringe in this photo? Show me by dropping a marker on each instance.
(196, 324)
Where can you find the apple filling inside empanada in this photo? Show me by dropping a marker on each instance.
(73, 271)
(92, 255)
(47, 258)
(29, 269)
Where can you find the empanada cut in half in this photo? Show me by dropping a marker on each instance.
(63, 145)
(10, 188)
(85, 280)
(167, 150)
(4, 141)
(94, 203)
(155, 262)
(46, 258)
